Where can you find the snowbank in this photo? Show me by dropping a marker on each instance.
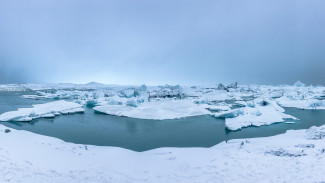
(159, 110)
(42, 110)
(296, 156)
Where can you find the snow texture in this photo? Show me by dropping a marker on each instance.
(296, 156)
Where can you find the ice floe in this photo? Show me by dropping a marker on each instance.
(13, 88)
(42, 110)
(158, 110)
(302, 104)
(261, 111)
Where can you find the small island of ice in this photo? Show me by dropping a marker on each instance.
(42, 110)
(159, 110)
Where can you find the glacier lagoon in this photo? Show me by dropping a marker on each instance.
(94, 128)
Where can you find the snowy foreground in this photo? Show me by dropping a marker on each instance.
(296, 156)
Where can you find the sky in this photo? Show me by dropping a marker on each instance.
(162, 41)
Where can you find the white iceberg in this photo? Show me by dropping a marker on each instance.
(168, 91)
(299, 84)
(256, 113)
(42, 110)
(158, 110)
(302, 103)
(13, 88)
(128, 93)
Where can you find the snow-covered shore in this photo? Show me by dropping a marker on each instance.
(296, 156)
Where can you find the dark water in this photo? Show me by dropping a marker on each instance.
(140, 135)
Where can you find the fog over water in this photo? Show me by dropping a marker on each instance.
(163, 41)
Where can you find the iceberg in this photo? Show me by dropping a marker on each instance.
(256, 113)
(158, 110)
(222, 87)
(128, 93)
(311, 103)
(13, 88)
(168, 91)
(116, 110)
(299, 84)
(233, 85)
(46, 110)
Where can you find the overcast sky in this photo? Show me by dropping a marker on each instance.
(158, 42)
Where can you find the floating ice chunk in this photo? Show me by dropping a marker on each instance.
(205, 101)
(221, 87)
(250, 104)
(141, 90)
(132, 103)
(42, 110)
(241, 103)
(117, 110)
(299, 84)
(264, 117)
(13, 87)
(142, 94)
(263, 112)
(114, 102)
(230, 114)
(233, 85)
(35, 97)
(168, 91)
(275, 94)
(57, 95)
(71, 111)
(159, 110)
(128, 93)
(218, 107)
(290, 122)
(316, 105)
(302, 104)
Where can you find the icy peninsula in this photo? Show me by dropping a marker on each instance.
(295, 156)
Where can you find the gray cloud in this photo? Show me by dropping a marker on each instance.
(157, 42)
